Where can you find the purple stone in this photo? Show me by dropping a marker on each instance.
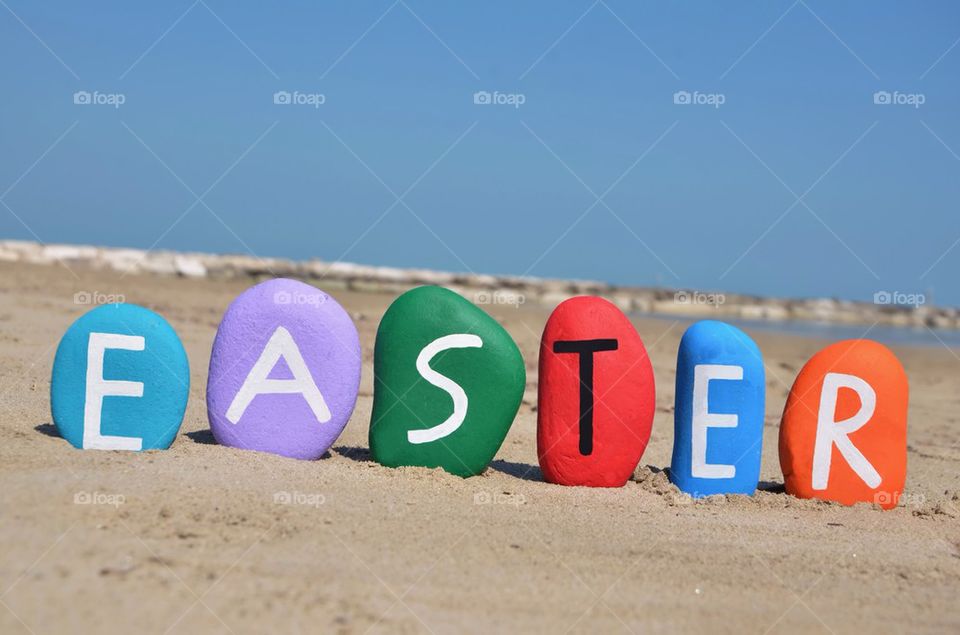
(284, 371)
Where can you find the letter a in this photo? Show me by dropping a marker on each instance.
(831, 432)
(281, 344)
(448, 427)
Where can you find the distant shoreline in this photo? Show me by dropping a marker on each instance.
(486, 289)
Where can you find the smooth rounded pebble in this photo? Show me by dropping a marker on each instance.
(843, 436)
(120, 380)
(284, 371)
(719, 410)
(596, 395)
(448, 383)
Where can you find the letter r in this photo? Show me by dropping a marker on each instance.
(831, 432)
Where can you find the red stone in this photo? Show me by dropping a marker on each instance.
(598, 447)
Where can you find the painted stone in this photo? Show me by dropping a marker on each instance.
(120, 380)
(596, 395)
(448, 380)
(718, 417)
(844, 431)
(284, 371)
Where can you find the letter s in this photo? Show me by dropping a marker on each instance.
(453, 422)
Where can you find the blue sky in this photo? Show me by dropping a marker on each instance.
(797, 184)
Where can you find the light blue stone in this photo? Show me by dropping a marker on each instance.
(718, 439)
(140, 392)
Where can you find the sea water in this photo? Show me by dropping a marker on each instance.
(885, 334)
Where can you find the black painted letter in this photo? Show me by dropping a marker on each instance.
(586, 349)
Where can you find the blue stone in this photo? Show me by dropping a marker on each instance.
(718, 418)
(120, 380)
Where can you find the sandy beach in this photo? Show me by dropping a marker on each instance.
(204, 538)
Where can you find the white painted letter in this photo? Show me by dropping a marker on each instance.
(97, 388)
(831, 432)
(281, 344)
(704, 419)
(459, 340)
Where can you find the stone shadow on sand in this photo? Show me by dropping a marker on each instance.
(201, 436)
(772, 487)
(48, 429)
(354, 453)
(522, 471)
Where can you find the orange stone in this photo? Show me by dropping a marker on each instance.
(843, 436)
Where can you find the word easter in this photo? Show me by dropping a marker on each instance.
(448, 380)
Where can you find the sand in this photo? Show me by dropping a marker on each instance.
(191, 539)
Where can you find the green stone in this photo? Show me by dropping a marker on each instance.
(448, 380)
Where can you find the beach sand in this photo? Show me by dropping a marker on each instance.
(195, 542)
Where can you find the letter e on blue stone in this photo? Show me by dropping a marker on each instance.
(718, 418)
(120, 380)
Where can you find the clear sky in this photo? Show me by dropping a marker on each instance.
(781, 177)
